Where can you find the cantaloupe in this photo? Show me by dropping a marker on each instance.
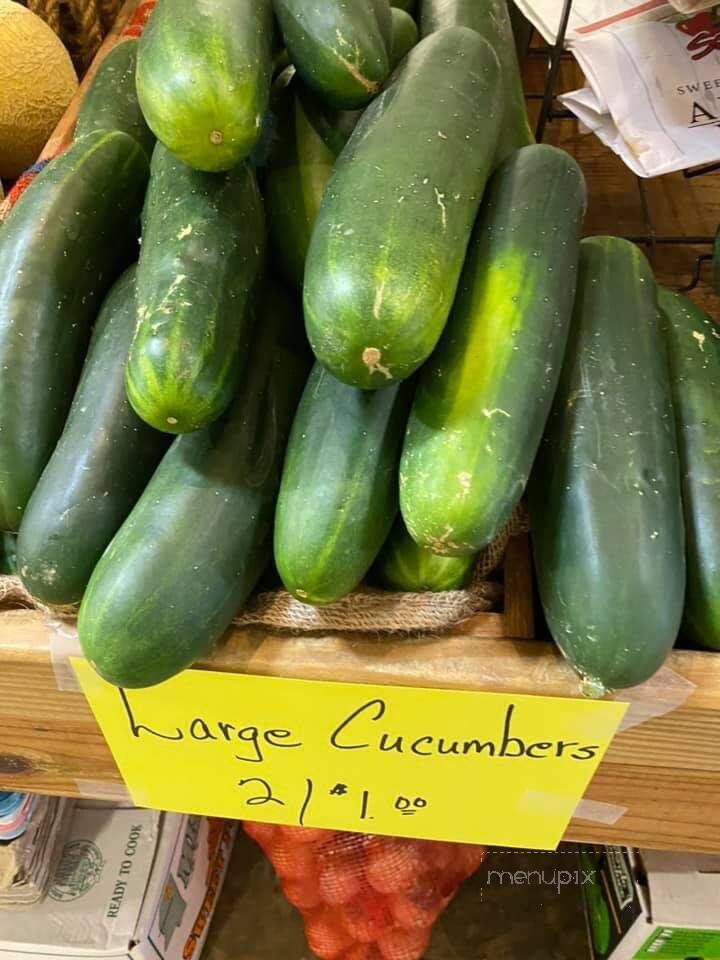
(37, 82)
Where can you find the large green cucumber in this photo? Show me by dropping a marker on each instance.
(694, 350)
(396, 217)
(111, 101)
(404, 34)
(485, 394)
(66, 240)
(203, 243)
(193, 548)
(606, 516)
(491, 19)
(203, 78)
(341, 50)
(338, 496)
(99, 468)
(404, 565)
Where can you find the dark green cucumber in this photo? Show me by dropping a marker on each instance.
(334, 126)
(396, 217)
(197, 541)
(99, 468)
(338, 496)
(405, 35)
(203, 78)
(68, 237)
(485, 394)
(694, 350)
(491, 19)
(111, 101)
(203, 242)
(606, 515)
(8, 553)
(404, 565)
(299, 169)
(341, 50)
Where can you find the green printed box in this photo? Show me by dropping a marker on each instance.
(671, 943)
(648, 904)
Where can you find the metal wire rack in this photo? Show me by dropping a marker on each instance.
(549, 111)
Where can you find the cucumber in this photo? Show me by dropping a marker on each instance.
(299, 169)
(405, 565)
(68, 237)
(197, 541)
(396, 217)
(694, 350)
(99, 468)
(491, 19)
(334, 126)
(407, 5)
(338, 496)
(8, 554)
(405, 35)
(341, 50)
(111, 101)
(203, 78)
(203, 242)
(485, 394)
(606, 516)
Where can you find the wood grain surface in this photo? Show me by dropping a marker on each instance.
(665, 772)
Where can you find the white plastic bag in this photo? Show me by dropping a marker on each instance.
(652, 93)
(588, 17)
(693, 6)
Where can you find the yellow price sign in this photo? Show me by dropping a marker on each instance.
(492, 768)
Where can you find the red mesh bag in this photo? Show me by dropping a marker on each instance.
(138, 20)
(365, 897)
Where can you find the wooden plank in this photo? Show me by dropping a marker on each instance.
(665, 772)
(518, 580)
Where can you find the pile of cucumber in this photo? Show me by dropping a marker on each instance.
(168, 423)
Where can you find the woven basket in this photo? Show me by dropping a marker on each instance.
(80, 24)
(365, 610)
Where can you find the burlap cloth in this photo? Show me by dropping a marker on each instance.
(367, 609)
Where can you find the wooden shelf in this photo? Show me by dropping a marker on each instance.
(664, 771)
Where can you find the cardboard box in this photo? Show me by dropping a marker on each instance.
(651, 905)
(129, 883)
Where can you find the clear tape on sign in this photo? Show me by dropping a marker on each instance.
(64, 643)
(533, 801)
(661, 694)
(597, 811)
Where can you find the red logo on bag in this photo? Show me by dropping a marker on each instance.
(704, 32)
